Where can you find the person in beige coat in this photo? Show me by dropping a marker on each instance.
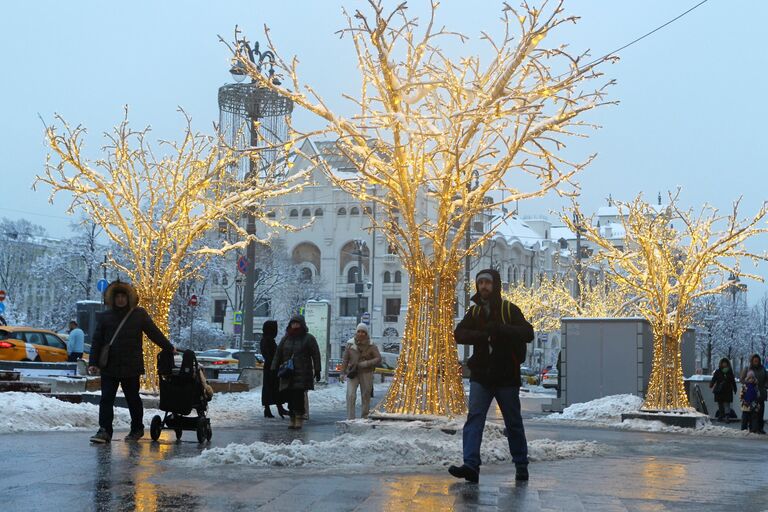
(360, 359)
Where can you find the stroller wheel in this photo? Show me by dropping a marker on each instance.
(178, 433)
(201, 430)
(156, 427)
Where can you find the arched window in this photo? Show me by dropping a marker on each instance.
(294, 213)
(354, 210)
(366, 210)
(307, 254)
(306, 212)
(271, 215)
(342, 211)
(398, 277)
(318, 212)
(509, 274)
(514, 276)
(387, 277)
(305, 275)
(352, 275)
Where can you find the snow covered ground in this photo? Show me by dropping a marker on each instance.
(34, 412)
(607, 411)
(390, 444)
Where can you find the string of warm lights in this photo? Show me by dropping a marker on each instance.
(433, 136)
(158, 210)
(669, 268)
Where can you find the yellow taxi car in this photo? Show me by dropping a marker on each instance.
(30, 344)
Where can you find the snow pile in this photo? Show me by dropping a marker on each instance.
(33, 412)
(398, 444)
(600, 410)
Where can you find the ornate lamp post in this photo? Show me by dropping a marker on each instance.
(249, 112)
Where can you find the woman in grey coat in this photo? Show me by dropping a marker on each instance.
(301, 347)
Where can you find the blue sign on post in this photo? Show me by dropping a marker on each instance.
(366, 318)
(242, 264)
(101, 285)
(2, 307)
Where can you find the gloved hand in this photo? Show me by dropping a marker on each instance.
(493, 328)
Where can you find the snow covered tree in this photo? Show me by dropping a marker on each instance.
(156, 203)
(434, 135)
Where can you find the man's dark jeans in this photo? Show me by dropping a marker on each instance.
(508, 398)
(130, 387)
(74, 356)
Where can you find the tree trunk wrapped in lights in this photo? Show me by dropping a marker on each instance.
(159, 210)
(433, 137)
(669, 269)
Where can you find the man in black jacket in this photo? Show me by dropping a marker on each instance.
(125, 365)
(498, 331)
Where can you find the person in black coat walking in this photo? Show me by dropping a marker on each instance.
(761, 381)
(499, 334)
(723, 385)
(270, 389)
(301, 347)
(125, 365)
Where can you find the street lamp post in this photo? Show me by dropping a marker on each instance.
(359, 286)
(467, 256)
(247, 104)
(577, 222)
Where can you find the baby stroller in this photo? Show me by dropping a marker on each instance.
(181, 390)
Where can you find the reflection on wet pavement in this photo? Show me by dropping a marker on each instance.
(639, 471)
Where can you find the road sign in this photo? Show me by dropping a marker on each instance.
(238, 319)
(366, 318)
(242, 264)
(192, 301)
(2, 307)
(543, 337)
(2, 295)
(101, 285)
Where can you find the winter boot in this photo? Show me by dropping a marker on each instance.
(465, 472)
(299, 422)
(101, 437)
(281, 411)
(521, 472)
(135, 435)
(294, 420)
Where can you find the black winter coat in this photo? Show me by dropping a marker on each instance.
(727, 389)
(270, 389)
(499, 340)
(126, 355)
(306, 359)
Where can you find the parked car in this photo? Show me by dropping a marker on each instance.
(217, 358)
(30, 344)
(334, 367)
(528, 376)
(550, 379)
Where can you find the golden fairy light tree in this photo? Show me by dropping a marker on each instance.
(158, 204)
(432, 136)
(545, 304)
(671, 258)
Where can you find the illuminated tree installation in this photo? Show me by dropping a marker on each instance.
(545, 304)
(428, 127)
(158, 210)
(669, 269)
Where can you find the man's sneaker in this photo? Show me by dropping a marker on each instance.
(521, 472)
(101, 437)
(135, 435)
(465, 472)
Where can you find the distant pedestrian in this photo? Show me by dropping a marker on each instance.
(270, 389)
(121, 327)
(298, 349)
(499, 333)
(757, 368)
(3, 321)
(75, 342)
(723, 386)
(358, 363)
(749, 402)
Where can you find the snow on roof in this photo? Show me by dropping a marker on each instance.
(513, 229)
(558, 232)
(607, 211)
(613, 230)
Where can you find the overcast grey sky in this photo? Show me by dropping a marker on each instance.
(690, 112)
